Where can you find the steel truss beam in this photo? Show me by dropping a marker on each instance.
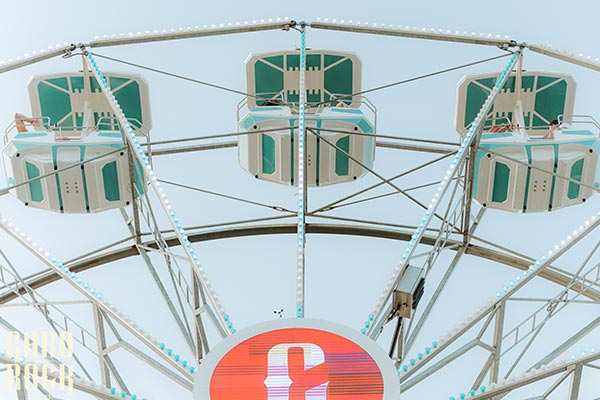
(552, 274)
(579, 285)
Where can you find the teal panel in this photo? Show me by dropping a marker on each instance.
(528, 179)
(275, 60)
(30, 135)
(550, 97)
(364, 125)
(292, 61)
(539, 123)
(313, 61)
(509, 85)
(77, 83)
(57, 178)
(247, 123)
(94, 85)
(35, 187)
(550, 102)
(478, 156)
(115, 82)
(313, 97)
(476, 96)
(341, 160)
(78, 120)
(527, 82)
(554, 170)
(139, 177)
(55, 103)
(330, 59)
(582, 133)
(545, 80)
(129, 98)
(349, 110)
(527, 119)
(576, 173)
(495, 135)
(268, 154)
(83, 179)
(501, 179)
(293, 98)
(338, 79)
(60, 82)
(292, 153)
(110, 179)
(109, 134)
(318, 157)
(268, 80)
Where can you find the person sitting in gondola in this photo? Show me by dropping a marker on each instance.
(501, 128)
(551, 129)
(21, 121)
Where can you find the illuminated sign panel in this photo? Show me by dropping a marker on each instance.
(297, 360)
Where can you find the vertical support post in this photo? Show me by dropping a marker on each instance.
(397, 341)
(134, 205)
(302, 192)
(498, 329)
(199, 305)
(469, 177)
(21, 387)
(101, 341)
(575, 383)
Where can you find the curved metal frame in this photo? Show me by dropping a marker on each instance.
(555, 275)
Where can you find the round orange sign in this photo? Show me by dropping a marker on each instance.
(297, 360)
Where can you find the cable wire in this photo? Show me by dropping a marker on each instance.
(416, 78)
(173, 75)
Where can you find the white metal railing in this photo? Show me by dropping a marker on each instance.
(75, 132)
(43, 123)
(579, 119)
(277, 101)
(312, 108)
(362, 101)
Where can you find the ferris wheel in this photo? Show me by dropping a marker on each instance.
(128, 308)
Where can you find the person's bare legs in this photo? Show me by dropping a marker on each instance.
(21, 120)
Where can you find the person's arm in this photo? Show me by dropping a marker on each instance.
(21, 120)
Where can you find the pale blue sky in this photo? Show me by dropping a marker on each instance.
(254, 276)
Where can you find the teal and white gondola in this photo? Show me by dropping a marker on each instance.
(76, 125)
(518, 169)
(331, 78)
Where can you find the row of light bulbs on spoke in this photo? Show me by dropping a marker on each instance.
(271, 20)
(579, 55)
(526, 375)
(95, 294)
(162, 197)
(409, 28)
(301, 156)
(34, 53)
(192, 29)
(450, 32)
(437, 344)
(430, 208)
(146, 33)
(42, 366)
(559, 246)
